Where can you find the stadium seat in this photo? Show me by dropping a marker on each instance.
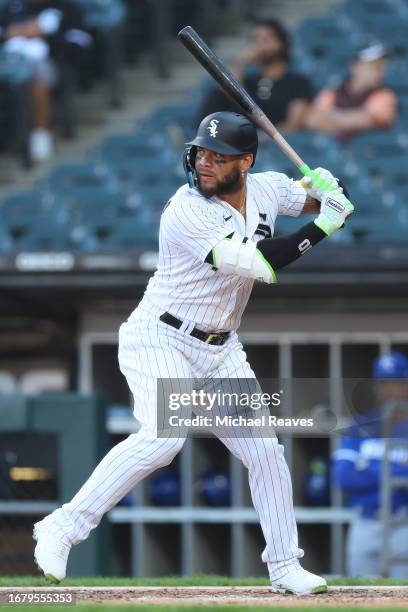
(130, 233)
(327, 32)
(20, 211)
(77, 177)
(378, 144)
(92, 216)
(365, 11)
(391, 170)
(46, 233)
(126, 147)
(102, 14)
(389, 231)
(145, 173)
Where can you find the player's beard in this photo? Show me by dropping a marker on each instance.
(231, 183)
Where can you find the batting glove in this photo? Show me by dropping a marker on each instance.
(319, 183)
(334, 210)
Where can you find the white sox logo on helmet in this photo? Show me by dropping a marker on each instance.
(213, 127)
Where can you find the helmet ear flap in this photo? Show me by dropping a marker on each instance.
(189, 157)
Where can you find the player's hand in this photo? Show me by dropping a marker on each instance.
(321, 182)
(334, 210)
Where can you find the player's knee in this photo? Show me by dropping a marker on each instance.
(262, 451)
(169, 448)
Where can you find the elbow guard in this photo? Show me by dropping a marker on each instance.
(240, 256)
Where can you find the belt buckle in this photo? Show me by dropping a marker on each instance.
(210, 337)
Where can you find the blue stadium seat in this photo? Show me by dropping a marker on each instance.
(389, 231)
(391, 170)
(327, 32)
(146, 173)
(378, 144)
(102, 14)
(126, 147)
(46, 234)
(78, 178)
(365, 11)
(130, 233)
(20, 211)
(6, 242)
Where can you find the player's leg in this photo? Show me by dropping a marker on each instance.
(363, 548)
(270, 485)
(399, 547)
(125, 464)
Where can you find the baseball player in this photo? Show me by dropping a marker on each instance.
(215, 241)
(357, 471)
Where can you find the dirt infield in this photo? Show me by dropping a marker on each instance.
(246, 596)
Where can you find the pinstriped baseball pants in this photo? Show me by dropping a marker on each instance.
(148, 350)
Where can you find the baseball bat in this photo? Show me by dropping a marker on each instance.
(230, 84)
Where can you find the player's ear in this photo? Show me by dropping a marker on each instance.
(246, 162)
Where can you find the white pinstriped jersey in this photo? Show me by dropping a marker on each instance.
(191, 225)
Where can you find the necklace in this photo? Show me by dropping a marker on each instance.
(241, 209)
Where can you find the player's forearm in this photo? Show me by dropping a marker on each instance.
(311, 206)
(353, 119)
(282, 251)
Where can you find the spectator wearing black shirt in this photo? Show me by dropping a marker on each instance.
(47, 32)
(283, 95)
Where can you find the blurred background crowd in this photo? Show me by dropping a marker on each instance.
(341, 103)
(97, 99)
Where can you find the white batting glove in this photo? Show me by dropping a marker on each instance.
(321, 182)
(334, 210)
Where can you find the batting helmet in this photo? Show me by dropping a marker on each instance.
(227, 133)
(222, 132)
(393, 365)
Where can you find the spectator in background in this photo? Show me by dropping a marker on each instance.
(357, 471)
(47, 32)
(359, 104)
(283, 95)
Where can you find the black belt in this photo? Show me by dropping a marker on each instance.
(208, 338)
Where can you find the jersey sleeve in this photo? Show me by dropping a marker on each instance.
(353, 473)
(193, 226)
(287, 196)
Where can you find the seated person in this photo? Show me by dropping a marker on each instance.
(359, 104)
(358, 469)
(283, 95)
(47, 32)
